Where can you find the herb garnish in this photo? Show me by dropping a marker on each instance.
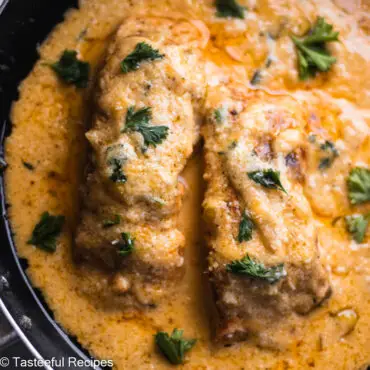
(125, 246)
(71, 70)
(257, 77)
(115, 220)
(313, 55)
(267, 178)
(246, 227)
(138, 121)
(333, 153)
(219, 115)
(46, 231)
(117, 172)
(357, 225)
(358, 183)
(257, 270)
(175, 346)
(229, 8)
(143, 52)
(28, 165)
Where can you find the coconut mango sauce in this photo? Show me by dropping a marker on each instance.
(49, 125)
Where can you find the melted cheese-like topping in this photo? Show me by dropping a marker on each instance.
(49, 131)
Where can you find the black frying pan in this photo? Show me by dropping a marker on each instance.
(23, 25)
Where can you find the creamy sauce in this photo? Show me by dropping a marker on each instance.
(48, 131)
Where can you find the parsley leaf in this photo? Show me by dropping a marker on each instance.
(313, 55)
(357, 225)
(358, 183)
(46, 231)
(117, 172)
(71, 70)
(111, 222)
(143, 52)
(267, 178)
(126, 245)
(321, 32)
(138, 121)
(229, 8)
(219, 115)
(256, 78)
(257, 270)
(174, 347)
(246, 227)
(28, 165)
(333, 153)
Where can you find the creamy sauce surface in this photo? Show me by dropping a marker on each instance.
(49, 123)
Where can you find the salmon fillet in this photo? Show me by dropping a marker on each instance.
(143, 131)
(263, 255)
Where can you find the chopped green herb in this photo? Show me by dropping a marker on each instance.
(257, 77)
(257, 270)
(321, 32)
(46, 231)
(312, 138)
(219, 115)
(233, 145)
(357, 225)
(143, 52)
(126, 245)
(229, 8)
(139, 121)
(269, 61)
(175, 346)
(328, 147)
(117, 172)
(267, 178)
(358, 183)
(258, 73)
(28, 165)
(246, 227)
(113, 221)
(71, 70)
(313, 55)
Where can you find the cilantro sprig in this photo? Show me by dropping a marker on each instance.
(267, 178)
(357, 226)
(175, 346)
(115, 220)
(332, 153)
(257, 270)
(47, 230)
(126, 245)
(139, 121)
(313, 55)
(219, 115)
(143, 52)
(229, 8)
(246, 227)
(72, 70)
(358, 183)
(117, 174)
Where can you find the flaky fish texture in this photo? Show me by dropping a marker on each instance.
(132, 188)
(247, 135)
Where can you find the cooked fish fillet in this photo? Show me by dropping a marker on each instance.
(133, 186)
(245, 135)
